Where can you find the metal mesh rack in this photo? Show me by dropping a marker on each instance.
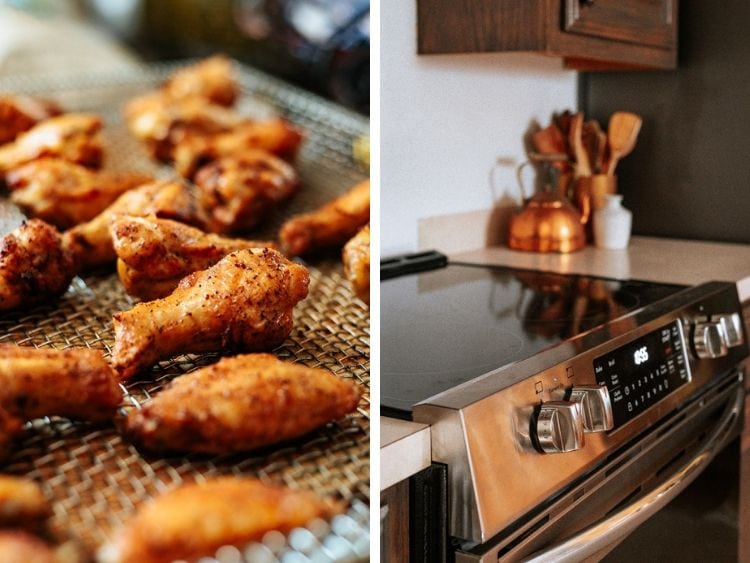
(94, 479)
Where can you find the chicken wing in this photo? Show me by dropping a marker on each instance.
(276, 136)
(244, 301)
(155, 254)
(238, 192)
(239, 404)
(210, 79)
(91, 243)
(18, 546)
(329, 226)
(66, 194)
(34, 265)
(196, 519)
(21, 113)
(22, 503)
(356, 258)
(74, 137)
(75, 383)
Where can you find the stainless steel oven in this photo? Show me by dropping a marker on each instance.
(566, 411)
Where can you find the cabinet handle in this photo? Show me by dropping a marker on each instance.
(587, 2)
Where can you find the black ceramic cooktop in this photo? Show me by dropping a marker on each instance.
(447, 326)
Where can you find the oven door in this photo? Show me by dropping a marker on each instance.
(594, 516)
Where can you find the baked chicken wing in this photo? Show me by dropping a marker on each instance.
(74, 137)
(22, 503)
(153, 255)
(329, 226)
(66, 194)
(211, 79)
(18, 546)
(91, 243)
(356, 258)
(244, 302)
(21, 113)
(34, 265)
(196, 519)
(238, 192)
(241, 403)
(276, 136)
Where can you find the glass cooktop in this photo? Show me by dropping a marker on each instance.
(444, 327)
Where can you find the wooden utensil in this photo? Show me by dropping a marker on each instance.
(550, 141)
(622, 135)
(583, 166)
(591, 142)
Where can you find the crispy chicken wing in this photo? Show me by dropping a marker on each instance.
(66, 194)
(196, 519)
(276, 136)
(241, 403)
(21, 113)
(22, 503)
(91, 243)
(74, 137)
(238, 192)
(329, 226)
(356, 258)
(210, 79)
(155, 254)
(34, 265)
(76, 383)
(244, 301)
(18, 546)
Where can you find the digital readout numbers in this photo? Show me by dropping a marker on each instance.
(641, 355)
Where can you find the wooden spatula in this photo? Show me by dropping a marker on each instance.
(622, 135)
(550, 141)
(583, 165)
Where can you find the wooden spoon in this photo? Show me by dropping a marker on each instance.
(623, 133)
(583, 166)
(550, 141)
(591, 138)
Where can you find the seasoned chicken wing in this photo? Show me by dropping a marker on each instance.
(244, 302)
(66, 194)
(18, 546)
(153, 255)
(91, 243)
(22, 503)
(34, 265)
(73, 136)
(21, 113)
(211, 79)
(76, 383)
(356, 258)
(196, 519)
(276, 136)
(241, 403)
(329, 226)
(238, 192)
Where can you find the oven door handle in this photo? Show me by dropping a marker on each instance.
(609, 532)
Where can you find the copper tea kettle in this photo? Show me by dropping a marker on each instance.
(548, 222)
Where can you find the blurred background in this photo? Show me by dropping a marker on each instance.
(320, 45)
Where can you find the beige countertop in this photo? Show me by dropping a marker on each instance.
(404, 450)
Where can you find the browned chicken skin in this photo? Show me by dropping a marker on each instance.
(91, 243)
(196, 519)
(244, 302)
(241, 403)
(73, 137)
(21, 113)
(329, 226)
(356, 258)
(18, 546)
(22, 503)
(66, 194)
(34, 265)
(155, 254)
(210, 79)
(276, 136)
(238, 192)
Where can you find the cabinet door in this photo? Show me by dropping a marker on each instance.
(643, 22)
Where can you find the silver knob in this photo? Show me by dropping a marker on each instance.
(559, 427)
(596, 408)
(732, 325)
(709, 340)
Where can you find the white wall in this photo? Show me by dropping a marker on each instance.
(445, 119)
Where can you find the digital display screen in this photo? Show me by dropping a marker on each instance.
(644, 371)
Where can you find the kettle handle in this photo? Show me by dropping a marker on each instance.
(519, 179)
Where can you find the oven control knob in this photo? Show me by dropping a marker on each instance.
(559, 427)
(596, 408)
(732, 325)
(709, 340)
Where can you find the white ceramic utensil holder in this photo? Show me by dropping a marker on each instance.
(612, 224)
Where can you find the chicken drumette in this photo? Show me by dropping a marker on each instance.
(22, 503)
(238, 192)
(210, 79)
(34, 265)
(21, 113)
(356, 258)
(153, 254)
(244, 302)
(66, 194)
(329, 226)
(91, 243)
(74, 137)
(196, 519)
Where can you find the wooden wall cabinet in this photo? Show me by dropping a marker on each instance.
(587, 34)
